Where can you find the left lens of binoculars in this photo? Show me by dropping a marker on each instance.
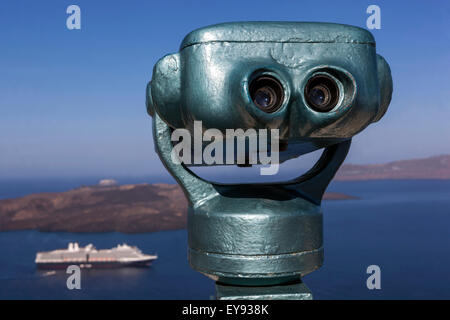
(267, 93)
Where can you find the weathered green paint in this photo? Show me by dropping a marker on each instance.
(265, 234)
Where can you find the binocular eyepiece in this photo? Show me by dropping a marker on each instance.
(322, 93)
(267, 93)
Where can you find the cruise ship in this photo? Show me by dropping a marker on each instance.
(89, 257)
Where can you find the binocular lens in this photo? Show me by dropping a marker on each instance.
(264, 97)
(321, 93)
(267, 93)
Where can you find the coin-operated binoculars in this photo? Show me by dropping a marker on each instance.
(319, 84)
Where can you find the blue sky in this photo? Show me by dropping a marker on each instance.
(72, 102)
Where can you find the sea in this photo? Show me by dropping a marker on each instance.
(401, 226)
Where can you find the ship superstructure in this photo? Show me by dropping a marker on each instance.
(89, 257)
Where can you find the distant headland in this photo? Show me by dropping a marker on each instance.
(437, 167)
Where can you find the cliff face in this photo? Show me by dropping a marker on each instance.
(428, 168)
(128, 208)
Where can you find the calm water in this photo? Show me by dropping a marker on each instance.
(402, 226)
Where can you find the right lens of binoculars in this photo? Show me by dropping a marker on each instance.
(267, 93)
(322, 93)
